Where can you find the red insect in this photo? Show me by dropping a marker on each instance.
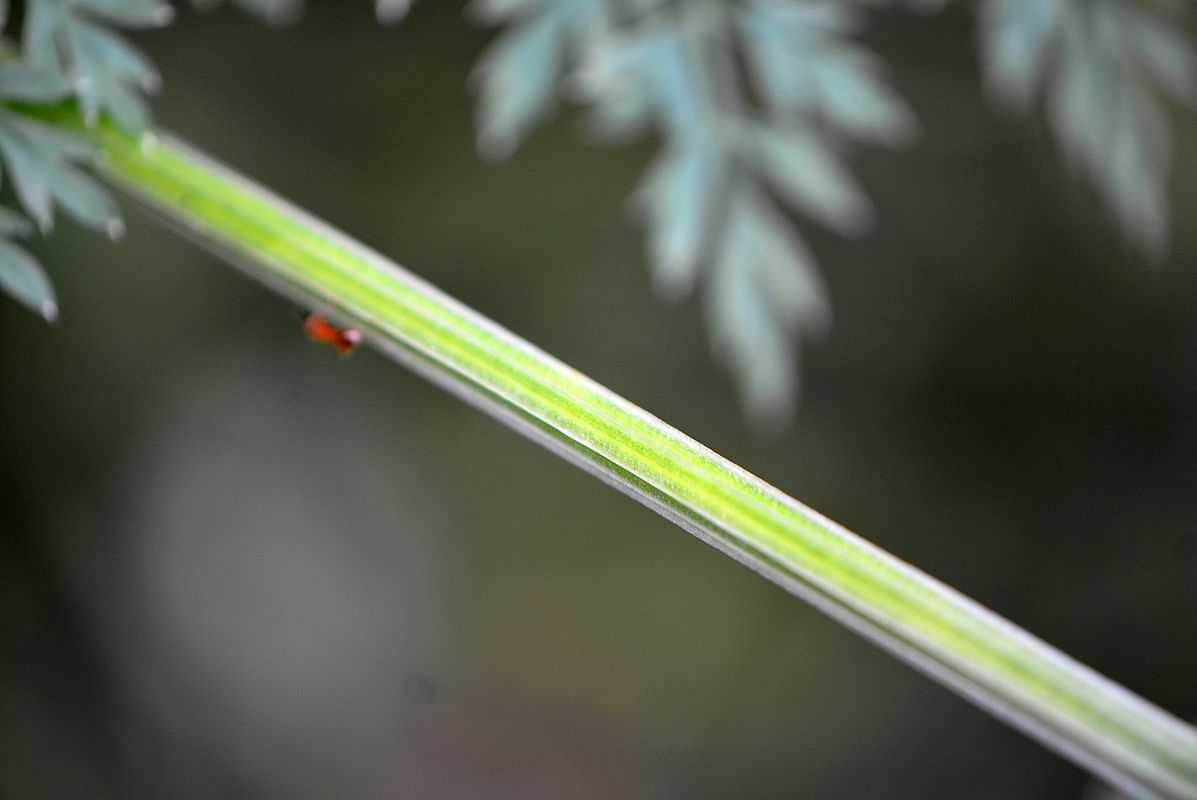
(319, 329)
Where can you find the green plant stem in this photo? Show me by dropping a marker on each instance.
(1084, 716)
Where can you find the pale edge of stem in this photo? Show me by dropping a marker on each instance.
(1117, 735)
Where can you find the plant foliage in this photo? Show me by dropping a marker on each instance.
(67, 50)
(1101, 66)
(752, 103)
(735, 142)
(740, 147)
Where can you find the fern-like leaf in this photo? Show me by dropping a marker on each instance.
(67, 52)
(38, 159)
(69, 38)
(764, 288)
(20, 275)
(805, 67)
(518, 76)
(710, 197)
(42, 163)
(1102, 65)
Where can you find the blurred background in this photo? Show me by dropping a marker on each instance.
(235, 566)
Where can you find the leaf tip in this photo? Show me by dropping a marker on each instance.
(392, 12)
(495, 146)
(675, 270)
(770, 422)
(283, 13)
(151, 82)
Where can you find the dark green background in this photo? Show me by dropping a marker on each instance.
(236, 567)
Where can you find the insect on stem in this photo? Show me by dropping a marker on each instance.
(319, 329)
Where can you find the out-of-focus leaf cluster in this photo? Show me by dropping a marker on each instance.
(68, 50)
(71, 40)
(1101, 66)
(750, 102)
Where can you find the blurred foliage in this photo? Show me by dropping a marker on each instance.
(734, 140)
(751, 103)
(733, 143)
(68, 42)
(1101, 65)
(66, 51)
